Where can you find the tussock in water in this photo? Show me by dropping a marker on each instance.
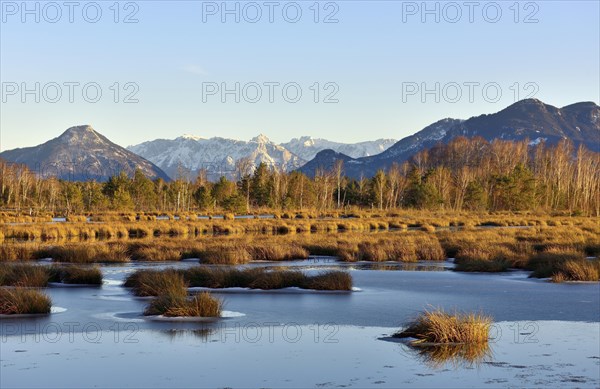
(21, 301)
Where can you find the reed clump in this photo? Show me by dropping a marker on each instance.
(155, 282)
(152, 282)
(551, 261)
(277, 252)
(18, 251)
(577, 270)
(439, 327)
(230, 255)
(20, 301)
(24, 275)
(38, 276)
(483, 258)
(75, 275)
(85, 253)
(172, 299)
(260, 278)
(153, 252)
(176, 305)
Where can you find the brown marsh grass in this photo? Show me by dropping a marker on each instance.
(155, 282)
(175, 305)
(539, 248)
(38, 276)
(85, 253)
(19, 251)
(550, 261)
(577, 270)
(75, 275)
(22, 275)
(20, 301)
(129, 225)
(439, 327)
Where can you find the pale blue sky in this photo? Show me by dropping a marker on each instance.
(170, 52)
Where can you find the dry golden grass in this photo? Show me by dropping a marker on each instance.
(156, 282)
(75, 275)
(231, 255)
(85, 253)
(21, 275)
(153, 252)
(38, 276)
(16, 252)
(126, 225)
(76, 219)
(330, 280)
(403, 247)
(427, 228)
(20, 301)
(175, 305)
(546, 263)
(577, 270)
(264, 251)
(540, 248)
(438, 327)
(12, 217)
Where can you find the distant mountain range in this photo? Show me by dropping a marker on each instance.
(81, 153)
(527, 119)
(219, 155)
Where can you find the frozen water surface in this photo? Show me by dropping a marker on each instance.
(545, 335)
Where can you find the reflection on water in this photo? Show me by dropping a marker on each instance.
(332, 263)
(458, 356)
(288, 355)
(203, 334)
(404, 266)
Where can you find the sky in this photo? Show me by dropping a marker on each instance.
(341, 70)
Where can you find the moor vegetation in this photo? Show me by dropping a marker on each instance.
(156, 282)
(20, 301)
(542, 248)
(439, 327)
(177, 305)
(38, 276)
(169, 289)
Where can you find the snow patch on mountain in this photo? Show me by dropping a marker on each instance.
(307, 147)
(188, 153)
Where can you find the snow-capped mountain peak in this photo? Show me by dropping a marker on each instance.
(220, 155)
(191, 137)
(261, 138)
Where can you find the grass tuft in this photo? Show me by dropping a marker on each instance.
(437, 326)
(32, 276)
(176, 305)
(578, 270)
(21, 301)
(156, 282)
(76, 275)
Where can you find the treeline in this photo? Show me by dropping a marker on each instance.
(466, 174)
